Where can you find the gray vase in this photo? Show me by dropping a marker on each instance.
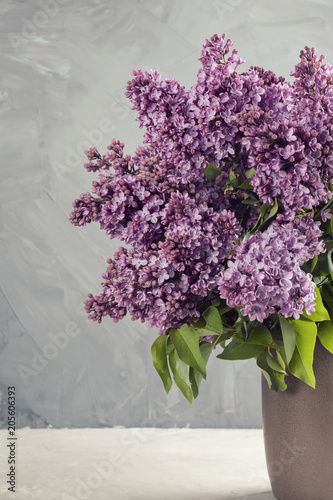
(298, 434)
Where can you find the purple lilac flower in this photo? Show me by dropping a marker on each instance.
(183, 228)
(265, 275)
(287, 136)
(166, 284)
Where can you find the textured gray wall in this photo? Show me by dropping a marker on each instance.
(64, 68)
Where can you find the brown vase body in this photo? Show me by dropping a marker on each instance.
(298, 434)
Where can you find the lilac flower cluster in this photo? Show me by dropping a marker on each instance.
(165, 281)
(266, 275)
(288, 137)
(189, 234)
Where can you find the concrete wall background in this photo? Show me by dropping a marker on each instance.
(64, 67)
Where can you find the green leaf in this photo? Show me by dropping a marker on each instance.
(232, 185)
(179, 370)
(274, 209)
(281, 356)
(249, 201)
(250, 172)
(325, 263)
(326, 293)
(279, 380)
(197, 324)
(328, 288)
(325, 334)
(232, 176)
(213, 319)
(224, 309)
(276, 332)
(245, 185)
(314, 263)
(160, 361)
(260, 335)
(240, 350)
(301, 363)
(274, 364)
(274, 379)
(264, 208)
(266, 370)
(329, 227)
(289, 337)
(320, 313)
(241, 326)
(186, 342)
(195, 376)
(298, 369)
(194, 384)
(203, 332)
(221, 339)
(170, 347)
(211, 172)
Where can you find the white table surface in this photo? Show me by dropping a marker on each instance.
(137, 464)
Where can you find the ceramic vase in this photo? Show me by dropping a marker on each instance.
(298, 434)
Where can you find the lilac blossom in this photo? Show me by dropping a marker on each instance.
(190, 237)
(265, 276)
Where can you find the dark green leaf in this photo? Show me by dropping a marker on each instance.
(260, 335)
(325, 334)
(195, 376)
(186, 342)
(266, 370)
(276, 333)
(262, 223)
(246, 185)
(289, 337)
(240, 350)
(211, 172)
(327, 227)
(264, 209)
(170, 347)
(245, 331)
(329, 288)
(273, 363)
(213, 319)
(249, 201)
(274, 379)
(279, 379)
(203, 332)
(197, 324)
(325, 264)
(326, 293)
(314, 263)
(160, 362)
(302, 360)
(224, 309)
(230, 185)
(194, 384)
(274, 209)
(179, 370)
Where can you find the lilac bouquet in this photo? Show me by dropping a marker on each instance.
(226, 214)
